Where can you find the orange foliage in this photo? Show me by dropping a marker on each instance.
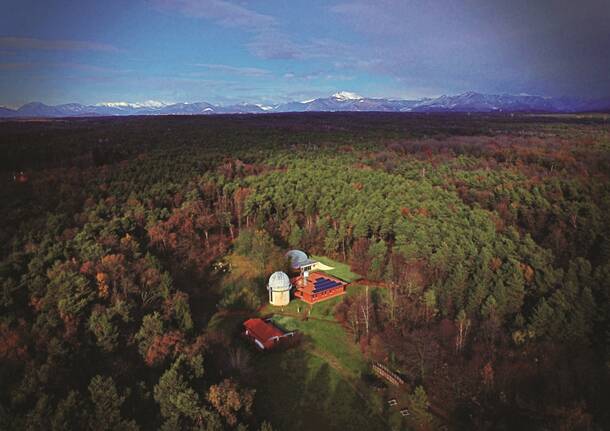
(86, 267)
(36, 303)
(495, 263)
(528, 272)
(11, 345)
(227, 398)
(102, 286)
(423, 212)
(163, 345)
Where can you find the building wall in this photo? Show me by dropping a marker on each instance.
(280, 298)
(327, 294)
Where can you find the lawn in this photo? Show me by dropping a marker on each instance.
(341, 270)
(328, 340)
(315, 385)
(322, 332)
(318, 384)
(297, 390)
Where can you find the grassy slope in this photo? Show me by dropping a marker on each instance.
(341, 270)
(323, 333)
(298, 390)
(316, 385)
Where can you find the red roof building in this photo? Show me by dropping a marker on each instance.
(316, 286)
(20, 177)
(263, 333)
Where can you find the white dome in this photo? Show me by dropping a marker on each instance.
(279, 282)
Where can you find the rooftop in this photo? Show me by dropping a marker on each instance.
(316, 282)
(263, 331)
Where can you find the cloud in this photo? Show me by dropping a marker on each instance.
(269, 40)
(224, 12)
(26, 43)
(63, 66)
(242, 71)
(14, 66)
(277, 45)
(327, 75)
(554, 47)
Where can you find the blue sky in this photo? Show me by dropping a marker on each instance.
(270, 51)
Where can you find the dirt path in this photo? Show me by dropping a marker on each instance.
(300, 316)
(372, 283)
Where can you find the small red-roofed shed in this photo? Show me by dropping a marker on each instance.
(263, 333)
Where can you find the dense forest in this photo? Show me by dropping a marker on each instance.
(488, 235)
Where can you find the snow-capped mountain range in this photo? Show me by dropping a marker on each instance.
(342, 101)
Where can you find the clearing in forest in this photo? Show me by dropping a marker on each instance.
(340, 270)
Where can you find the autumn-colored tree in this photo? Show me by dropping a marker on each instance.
(163, 345)
(152, 327)
(229, 400)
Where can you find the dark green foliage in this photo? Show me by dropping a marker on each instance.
(107, 404)
(179, 404)
(105, 332)
(418, 403)
(490, 233)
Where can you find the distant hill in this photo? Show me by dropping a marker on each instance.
(339, 102)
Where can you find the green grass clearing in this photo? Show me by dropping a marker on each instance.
(316, 385)
(341, 270)
(328, 340)
(297, 390)
(322, 332)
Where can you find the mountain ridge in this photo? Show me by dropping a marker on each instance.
(342, 101)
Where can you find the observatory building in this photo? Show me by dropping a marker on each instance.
(313, 284)
(279, 289)
(300, 262)
(315, 287)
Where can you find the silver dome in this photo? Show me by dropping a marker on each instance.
(298, 258)
(279, 282)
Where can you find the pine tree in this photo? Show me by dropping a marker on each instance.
(106, 401)
(418, 403)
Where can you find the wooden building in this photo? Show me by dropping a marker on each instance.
(384, 372)
(317, 286)
(264, 334)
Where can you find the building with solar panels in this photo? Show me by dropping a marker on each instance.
(312, 287)
(279, 288)
(313, 284)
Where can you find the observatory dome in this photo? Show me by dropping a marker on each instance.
(279, 282)
(298, 258)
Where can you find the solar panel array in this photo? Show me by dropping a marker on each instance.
(322, 284)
